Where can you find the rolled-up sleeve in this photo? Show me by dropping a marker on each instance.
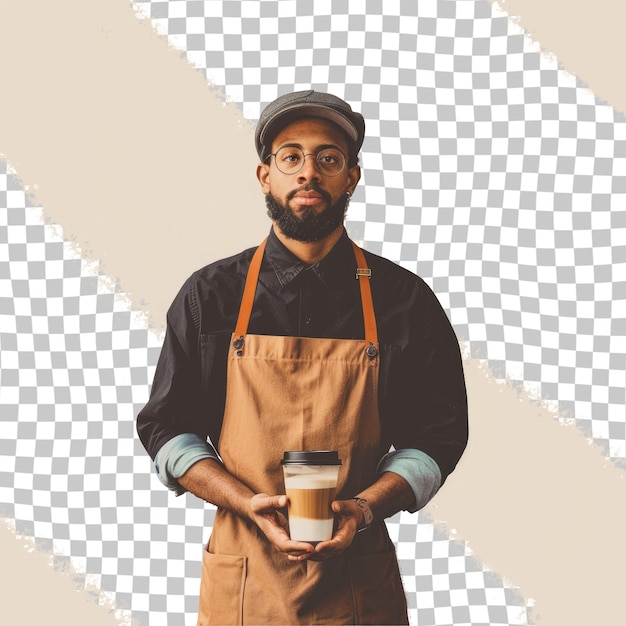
(176, 456)
(418, 469)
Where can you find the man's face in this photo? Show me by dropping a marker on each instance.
(309, 204)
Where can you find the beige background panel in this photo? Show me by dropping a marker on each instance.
(34, 594)
(125, 146)
(124, 142)
(587, 39)
(539, 504)
(119, 140)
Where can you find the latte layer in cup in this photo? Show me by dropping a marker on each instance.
(310, 485)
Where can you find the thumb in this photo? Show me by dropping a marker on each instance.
(278, 502)
(263, 501)
(340, 506)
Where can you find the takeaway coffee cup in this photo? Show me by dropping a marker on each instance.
(310, 484)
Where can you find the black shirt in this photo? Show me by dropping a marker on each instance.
(422, 400)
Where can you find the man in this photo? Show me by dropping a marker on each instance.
(305, 342)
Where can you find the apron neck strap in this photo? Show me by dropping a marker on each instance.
(245, 310)
(363, 274)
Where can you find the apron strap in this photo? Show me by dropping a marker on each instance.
(245, 310)
(363, 274)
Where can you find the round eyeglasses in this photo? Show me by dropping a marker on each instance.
(290, 160)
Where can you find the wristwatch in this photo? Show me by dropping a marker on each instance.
(368, 516)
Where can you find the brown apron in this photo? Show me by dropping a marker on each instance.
(300, 393)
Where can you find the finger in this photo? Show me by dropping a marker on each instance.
(337, 506)
(262, 502)
(343, 537)
(299, 547)
(290, 547)
(303, 556)
(281, 540)
(323, 551)
(336, 545)
(329, 543)
(344, 507)
(272, 502)
(298, 554)
(296, 547)
(280, 502)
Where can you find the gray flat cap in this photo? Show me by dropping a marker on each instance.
(292, 106)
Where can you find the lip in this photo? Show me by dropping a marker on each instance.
(307, 198)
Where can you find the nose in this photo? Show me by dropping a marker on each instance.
(309, 169)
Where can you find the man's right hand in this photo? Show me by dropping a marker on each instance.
(209, 480)
(265, 512)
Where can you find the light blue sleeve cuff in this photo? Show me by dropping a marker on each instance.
(418, 469)
(176, 456)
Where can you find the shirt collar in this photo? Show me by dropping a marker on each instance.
(333, 270)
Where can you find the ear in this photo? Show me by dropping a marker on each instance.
(354, 175)
(263, 176)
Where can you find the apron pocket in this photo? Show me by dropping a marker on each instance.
(377, 589)
(221, 589)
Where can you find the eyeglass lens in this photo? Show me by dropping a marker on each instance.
(290, 160)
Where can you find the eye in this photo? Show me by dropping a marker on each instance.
(329, 157)
(289, 156)
(330, 161)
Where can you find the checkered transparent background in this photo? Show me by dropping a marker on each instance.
(487, 170)
(504, 173)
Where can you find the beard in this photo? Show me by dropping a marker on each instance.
(308, 226)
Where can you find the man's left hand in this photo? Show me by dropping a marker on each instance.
(349, 517)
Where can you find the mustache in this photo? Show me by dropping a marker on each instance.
(311, 187)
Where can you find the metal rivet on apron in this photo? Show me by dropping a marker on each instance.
(238, 345)
(371, 351)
